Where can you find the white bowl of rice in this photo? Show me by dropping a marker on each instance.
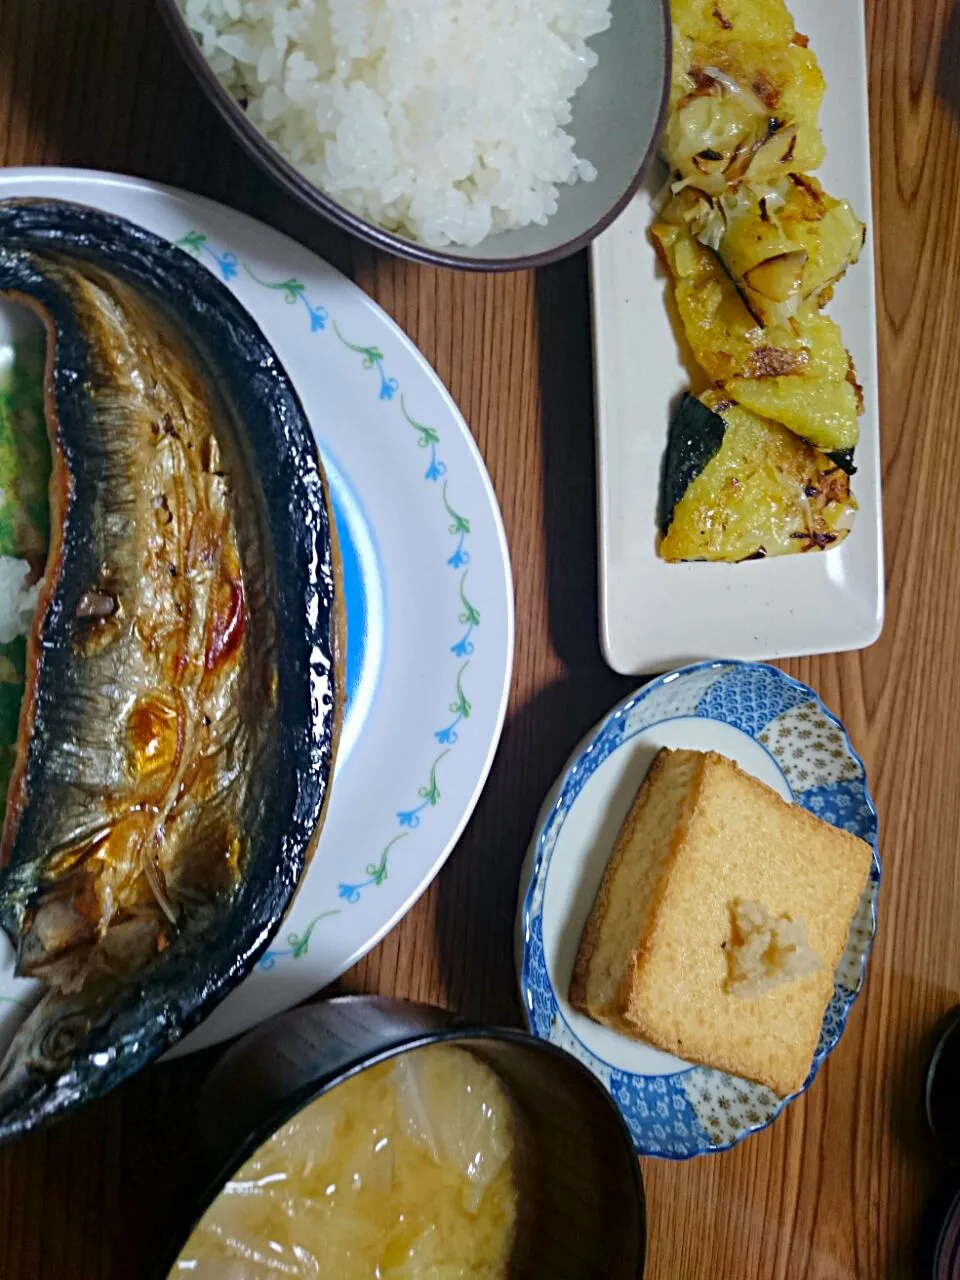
(485, 134)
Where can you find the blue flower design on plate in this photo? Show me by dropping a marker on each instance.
(427, 438)
(376, 873)
(842, 804)
(295, 293)
(372, 359)
(460, 708)
(196, 243)
(297, 944)
(697, 1110)
(470, 618)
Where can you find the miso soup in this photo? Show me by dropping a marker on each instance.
(405, 1172)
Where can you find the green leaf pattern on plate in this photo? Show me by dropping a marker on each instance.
(372, 359)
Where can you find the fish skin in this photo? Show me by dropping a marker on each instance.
(115, 752)
(128, 714)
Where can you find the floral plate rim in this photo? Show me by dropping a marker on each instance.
(352, 894)
(529, 946)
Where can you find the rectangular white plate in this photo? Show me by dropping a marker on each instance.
(653, 615)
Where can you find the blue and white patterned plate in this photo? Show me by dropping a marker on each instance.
(427, 580)
(776, 729)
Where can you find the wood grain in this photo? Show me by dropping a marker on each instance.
(838, 1187)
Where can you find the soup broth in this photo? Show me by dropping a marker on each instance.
(405, 1172)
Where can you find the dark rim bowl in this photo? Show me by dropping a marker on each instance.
(940, 1095)
(582, 1204)
(618, 131)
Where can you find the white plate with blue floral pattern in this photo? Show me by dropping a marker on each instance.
(426, 573)
(776, 729)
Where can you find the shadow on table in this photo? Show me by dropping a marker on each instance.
(948, 65)
(96, 1195)
(916, 1149)
(477, 892)
(569, 465)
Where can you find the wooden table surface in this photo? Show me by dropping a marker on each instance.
(838, 1186)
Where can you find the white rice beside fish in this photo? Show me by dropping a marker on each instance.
(443, 119)
(18, 601)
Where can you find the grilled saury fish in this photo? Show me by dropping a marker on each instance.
(183, 695)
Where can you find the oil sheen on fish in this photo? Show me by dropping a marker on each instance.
(183, 693)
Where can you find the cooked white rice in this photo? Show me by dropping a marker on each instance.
(18, 602)
(441, 118)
